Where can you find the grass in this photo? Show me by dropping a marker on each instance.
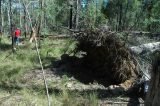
(13, 67)
(27, 97)
(26, 59)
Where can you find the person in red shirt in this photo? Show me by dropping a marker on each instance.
(17, 34)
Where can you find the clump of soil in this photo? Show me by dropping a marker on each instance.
(106, 56)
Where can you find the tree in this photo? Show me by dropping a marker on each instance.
(0, 15)
(11, 23)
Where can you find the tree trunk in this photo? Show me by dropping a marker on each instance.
(2, 19)
(145, 48)
(117, 18)
(77, 14)
(40, 23)
(125, 16)
(149, 9)
(153, 96)
(44, 17)
(120, 17)
(25, 21)
(20, 15)
(9, 21)
(11, 24)
(71, 14)
(0, 15)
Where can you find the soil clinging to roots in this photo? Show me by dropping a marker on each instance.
(106, 56)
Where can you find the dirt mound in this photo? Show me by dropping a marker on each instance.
(106, 56)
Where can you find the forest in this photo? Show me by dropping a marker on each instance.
(79, 52)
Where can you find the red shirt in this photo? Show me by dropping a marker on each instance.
(17, 33)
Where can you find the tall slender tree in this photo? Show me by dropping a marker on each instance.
(0, 15)
(71, 15)
(20, 15)
(77, 14)
(25, 19)
(11, 23)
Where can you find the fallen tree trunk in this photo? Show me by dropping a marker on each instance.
(153, 96)
(145, 48)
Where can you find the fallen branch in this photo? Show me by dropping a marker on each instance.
(110, 102)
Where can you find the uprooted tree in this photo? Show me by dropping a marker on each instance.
(106, 56)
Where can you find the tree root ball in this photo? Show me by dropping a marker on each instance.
(106, 57)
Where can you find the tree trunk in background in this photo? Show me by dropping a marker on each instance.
(40, 17)
(9, 21)
(40, 23)
(20, 15)
(120, 17)
(25, 21)
(117, 18)
(44, 16)
(125, 16)
(77, 14)
(149, 10)
(0, 15)
(2, 18)
(71, 14)
(11, 25)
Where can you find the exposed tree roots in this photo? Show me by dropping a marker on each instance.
(106, 56)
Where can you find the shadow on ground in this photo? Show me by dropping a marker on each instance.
(5, 47)
(75, 67)
(82, 71)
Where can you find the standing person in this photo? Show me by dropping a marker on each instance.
(17, 34)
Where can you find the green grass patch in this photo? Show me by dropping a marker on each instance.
(13, 67)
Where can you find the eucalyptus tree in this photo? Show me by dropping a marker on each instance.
(0, 15)
(11, 23)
